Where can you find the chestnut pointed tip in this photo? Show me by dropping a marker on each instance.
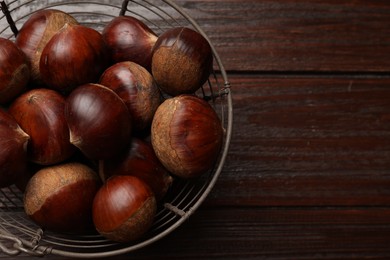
(74, 139)
(101, 173)
(23, 134)
(24, 137)
(152, 39)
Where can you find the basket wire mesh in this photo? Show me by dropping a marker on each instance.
(17, 233)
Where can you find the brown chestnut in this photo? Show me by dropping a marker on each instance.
(186, 135)
(98, 121)
(136, 86)
(182, 61)
(139, 161)
(41, 114)
(123, 209)
(14, 71)
(60, 197)
(36, 32)
(129, 39)
(13, 152)
(75, 55)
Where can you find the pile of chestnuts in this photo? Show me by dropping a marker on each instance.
(95, 126)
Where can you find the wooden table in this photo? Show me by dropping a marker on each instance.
(308, 171)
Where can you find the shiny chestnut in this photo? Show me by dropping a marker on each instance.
(36, 32)
(129, 39)
(123, 209)
(13, 152)
(41, 114)
(60, 197)
(137, 88)
(14, 71)
(98, 120)
(75, 55)
(181, 61)
(186, 135)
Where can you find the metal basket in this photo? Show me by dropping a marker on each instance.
(18, 234)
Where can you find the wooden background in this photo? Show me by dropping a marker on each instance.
(308, 171)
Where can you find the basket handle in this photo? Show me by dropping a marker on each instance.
(10, 20)
(13, 246)
(124, 7)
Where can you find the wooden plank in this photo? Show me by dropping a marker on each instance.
(304, 35)
(307, 141)
(253, 233)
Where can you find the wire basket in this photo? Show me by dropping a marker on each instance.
(18, 234)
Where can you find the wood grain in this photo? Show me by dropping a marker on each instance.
(304, 35)
(308, 141)
(294, 233)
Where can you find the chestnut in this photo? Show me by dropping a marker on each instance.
(41, 114)
(60, 197)
(98, 120)
(186, 135)
(139, 161)
(129, 39)
(75, 55)
(123, 209)
(14, 71)
(182, 61)
(13, 152)
(136, 86)
(36, 32)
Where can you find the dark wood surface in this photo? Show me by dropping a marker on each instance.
(308, 171)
